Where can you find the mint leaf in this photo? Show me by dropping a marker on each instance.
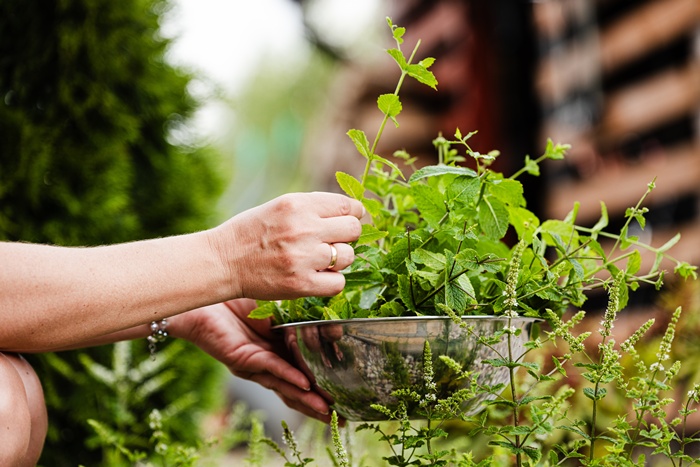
(430, 203)
(422, 75)
(508, 191)
(431, 259)
(361, 142)
(350, 185)
(555, 151)
(524, 222)
(493, 216)
(398, 57)
(531, 166)
(390, 105)
(435, 170)
(370, 234)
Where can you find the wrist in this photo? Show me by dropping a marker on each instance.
(220, 240)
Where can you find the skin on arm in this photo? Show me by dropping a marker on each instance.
(56, 297)
(248, 347)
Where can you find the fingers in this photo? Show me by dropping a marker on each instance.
(334, 259)
(307, 402)
(336, 205)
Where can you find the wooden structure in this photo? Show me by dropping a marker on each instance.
(620, 81)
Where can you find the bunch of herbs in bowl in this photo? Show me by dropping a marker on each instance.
(438, 247)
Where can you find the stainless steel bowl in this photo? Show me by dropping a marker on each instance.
(359, 362)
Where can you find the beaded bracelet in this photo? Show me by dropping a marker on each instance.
(158, 334)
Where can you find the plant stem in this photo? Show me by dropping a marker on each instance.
(594, 417)
(511, 370)
(370, 159)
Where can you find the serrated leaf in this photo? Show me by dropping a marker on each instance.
(374, 207)
(398, 57)
(435, 170)
(593, 394)
(361, 142)
(370, 234)
(430, 203)
(350, 185)
(464, 189)
(264, 311)
(634, 262)
(390, 105)
(508, 191)
(493, 216)
(524, 222)
(431, 259)
(422, 75)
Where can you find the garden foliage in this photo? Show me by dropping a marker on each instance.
(88, 155)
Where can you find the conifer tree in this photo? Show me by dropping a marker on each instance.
(89, 109)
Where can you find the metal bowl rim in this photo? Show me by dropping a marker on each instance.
(322, 322)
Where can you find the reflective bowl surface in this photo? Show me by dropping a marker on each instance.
(359, 362)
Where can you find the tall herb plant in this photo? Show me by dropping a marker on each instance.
(437, 241)
(437, 246)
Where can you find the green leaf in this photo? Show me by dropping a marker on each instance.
(595, 395)
(433, 260)
(390, 105)
(422, 75)
(602, 222)
(685, 270)
(508, 191)
(551, 229)
(374, 207)
(398, 57)
(531, 166)
(405, 292)
(264, 311)
(555, 151)
(430, 202)
(435, 170)
(493, 216)
(350, 185)
(361, 142)
(524, 222)
(387, 162)
(329, 313)
(370, 234)
(464, 189)
(634, 262)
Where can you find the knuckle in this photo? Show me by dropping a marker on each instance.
(355, 228)
(345, 206)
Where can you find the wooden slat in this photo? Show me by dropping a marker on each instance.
(677, 172)
(650, 27)
(642, 107)
(575, 66)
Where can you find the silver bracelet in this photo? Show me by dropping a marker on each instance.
(158, 334)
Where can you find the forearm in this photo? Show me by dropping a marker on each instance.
(53, 297)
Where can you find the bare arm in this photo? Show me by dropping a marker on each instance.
(54, 297)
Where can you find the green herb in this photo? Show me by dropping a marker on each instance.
(437, 240)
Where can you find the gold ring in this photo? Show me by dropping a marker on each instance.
(334, 256)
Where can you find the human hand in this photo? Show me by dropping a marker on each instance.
(280, 250)
(250, 350)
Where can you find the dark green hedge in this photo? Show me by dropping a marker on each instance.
(87, 107)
